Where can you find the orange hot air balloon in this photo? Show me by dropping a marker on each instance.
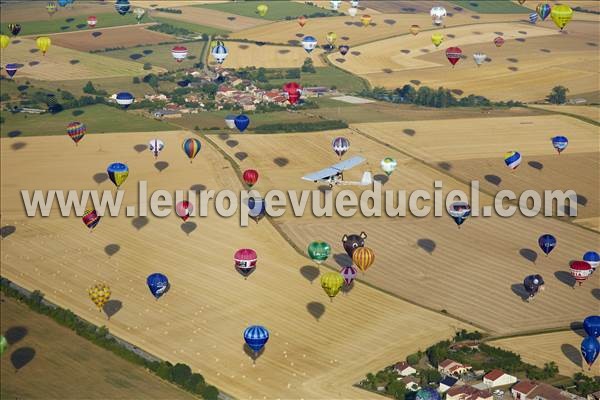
(363, 258)
(365, 20)
(302, 21)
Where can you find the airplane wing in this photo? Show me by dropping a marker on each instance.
(322, 174)
(349, 163)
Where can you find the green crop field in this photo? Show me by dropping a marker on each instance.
(278, 10)
(190, 27)
(492, 6)
(97, 118)
(327, 76)
(160, 55)
(71, 24)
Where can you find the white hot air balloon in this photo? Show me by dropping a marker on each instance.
(219, 52)
(309, 43)
(335, 4)
(437, 14)
(388, 165)
(354, 3)
(230, 121)
(156, 146)
(179, 53)
(479, 58)
(352, 11)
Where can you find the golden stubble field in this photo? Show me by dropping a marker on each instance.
(268, 56)
(201, 320)
(24, 11)
(213, 18)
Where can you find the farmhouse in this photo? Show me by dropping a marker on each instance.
(532, 390)
(403, 369)
(160, 114)
(447, 383)
(454, 368)
(410, 383)
(497, 377)
(467, 392)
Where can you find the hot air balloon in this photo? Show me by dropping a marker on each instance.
(76, 131)
(560, 143)
(90, 218)
(592, 258)
(250, 177)
(388, 165)
(92, 21)
(191, 147)
(241, 122)
(437, 15)
(99, 294)
(219, 52)
(459, 211)
(293, 92)
(365, 20)
(309, 43)
(521, 2)
(352, 242)
(453, 55)
(561, 15)
(414, 29)
(63, 3)
(302, 21)
(547, 243)
(543, 10)
(262, 9)
(332, 283)
(352, 11)
(256, 337)
(354, 3)
(348, 273)
(427, 394)
(344, 49)
(122, 6)
(4, 41)
(43, 44)
(11, 69)
(340, 145)
(331, 39)
(512, 159)
(124, 99)
(533, 283)
(3, 344)
(533, 17)
(335, 4)
(14, 29)
(591, 325)
(319, 251)
(184, 210)
(139, 14)
(499, 41)
(590, 348)
(363, 258)
(256, 208)
(580, 270)
(118, 173)
(245, 261)
(479, 58)
(156, 146)
(158, 284)
(437, 39)
(179, 53)
(51, 8)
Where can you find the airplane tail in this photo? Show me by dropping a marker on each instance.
(366, 179)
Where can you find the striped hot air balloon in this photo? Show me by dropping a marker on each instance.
(11, 69)
(332, 283)
(348, 273)
(250, 177)
(363, 258)
(124, 99)
(309, 43)
(453, 55)
(191, 147)
(245, 261)
(219, 52)
(560, 143)
(543, 10)
(179, 53)
(122, 6)
(117, 173)
(90, 218)
(512, 159)
(256, 336)
(580, 270)
(92, 21)
(76, 131)
(156, 146)
(592, 258)
(533, 17)
(14, 29)
(43, 44)
(340, 145)
(51, 8)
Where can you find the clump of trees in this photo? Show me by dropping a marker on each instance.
(90, 89)
(558, 95)
(171, 30)
(170, 10)
(301, 126)
(308, 66)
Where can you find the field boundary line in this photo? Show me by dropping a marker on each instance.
(567, 114)
(145, 24)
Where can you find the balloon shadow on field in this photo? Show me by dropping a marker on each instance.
(493, 179)
(426, 244)
(252, 354)
(21, 357)
(223, 136)
(96, 34)
(577, 327)
(572, 353)
(14, 134)
(161, 165)
(315, 309)
(568, 211)
(188, 227)
(241, 155)
(343, 259)
(324, 188)
(582, 200)
(198, 187)
(281, 161)
(389, 21)
(7, 230)
(112, 249)
(348, 288)
(140, 222)
(18, 145)
(596, 293)
(446, 166)
(100, 177)
(310, 273)
(15, 334)
(232, 143)
(383, 179)
(112, 307)
(529, 255)
(519, 290)
(565, 277)
(140, 147)
(536, 165)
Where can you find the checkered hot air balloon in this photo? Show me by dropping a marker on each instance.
(191, 147)
(219, 52)
(340, 145)
(90, 218)
(117, 173)
(580, 270)
(245, 261)
(512, 159)
(76, 131)
(179, 53)
(348, 273)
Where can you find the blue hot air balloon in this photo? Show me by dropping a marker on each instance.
(122, 6)
(560, 143)
(63, 3)
(543, 10)
(547, 243)
(512, 159)
(256, 208)
(592, 258)
(158, 284)
(427, 394)
(11, 69)
(591, 325)
(124, 99)
(590, 347)
(309, 43)
(241, 122)
(533, 17)
(118, 173)
(256, 336)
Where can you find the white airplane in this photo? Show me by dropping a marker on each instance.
(334, 175)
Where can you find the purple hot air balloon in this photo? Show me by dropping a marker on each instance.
(11, 69)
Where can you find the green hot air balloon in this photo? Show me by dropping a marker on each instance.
(3, 345)
(319, 251)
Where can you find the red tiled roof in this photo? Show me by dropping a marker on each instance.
(468, 392)
(548, 392)
(401, 366)
(524, 386)
(447, 362)
(494, 374)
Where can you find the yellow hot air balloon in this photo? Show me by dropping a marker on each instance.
(332, 283)
(99, 294)
(437, 39)
(262, 9)
(414, 29)
(366, 20)
(331, 38)
(363, 257)
(4, 41)
(561, 15)
(43, 44)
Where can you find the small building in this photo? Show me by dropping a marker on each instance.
(497, 377)
(447, 383)
(454, 368)
(533, 390)
(410, 383)
(160, 114)
(467, 392)
(594, 396)
(404, 369)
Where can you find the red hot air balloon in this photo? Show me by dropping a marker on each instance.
(293, 92)
(250, 177)
(245, 261)
(581, 270)
(499, 41)
(92, 21)
(184, 209)
(453, 55)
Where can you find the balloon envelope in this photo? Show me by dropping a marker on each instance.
(532, 284)
(592, 258)
(76, 131)
(191, 147)
(499, 41)
(245, 261)
(43, 44)
(363, 258)
(580, 271)
(122, 6)
(118, 173)
(293, 92)
(547, 243)
(11, 69)
(124, 99)
(591, 325)
(90, 218)
(590, 347)
(388, 165)
(543, 10)
(332, 283)
(427, 394)
(3, 344)
(560, 143)
(250, 177)
(319, 251)
(99, 294)
(241, 122)
(437, 39)
(309, 43)
(340, 145)
(453, 54)
(344, 49)
(179, 53)
(158, 284)
(512, 159)
(561, 15)
(184, 209)
(156, 146)
(348, 273)
(256, 336)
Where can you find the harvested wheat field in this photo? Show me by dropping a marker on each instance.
(99, 39)
(60, 64)
(344, 6)
(201, 319)
(590, 112)
(25, 11)
(428, 260)
(560, 347)
(213, 18)
(250, 54)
